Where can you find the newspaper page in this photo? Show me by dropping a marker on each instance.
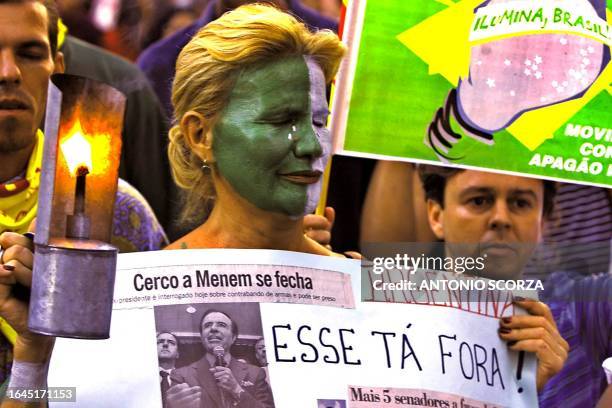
(322, 345)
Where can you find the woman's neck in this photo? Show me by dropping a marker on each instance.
(238, 224)
(234, 227)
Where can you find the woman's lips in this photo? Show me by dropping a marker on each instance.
(302, 177)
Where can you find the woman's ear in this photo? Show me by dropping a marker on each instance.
(435, 216)
(198, 132)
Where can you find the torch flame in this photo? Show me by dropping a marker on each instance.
(77, 150)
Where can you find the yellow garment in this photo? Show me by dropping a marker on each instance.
(8, 331)
(18, 210)
(62, 32)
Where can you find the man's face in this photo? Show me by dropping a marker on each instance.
(270, 142)
(492, 214)
(167, 347)
(25, 67)
(260, 352)
(216, 331)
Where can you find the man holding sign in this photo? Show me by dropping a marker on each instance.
(502, 216)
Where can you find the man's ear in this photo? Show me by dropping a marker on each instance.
(435, 216)
(198, 133)
(546, 224)
(60, 67)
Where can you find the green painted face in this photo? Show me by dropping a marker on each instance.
(270, 142)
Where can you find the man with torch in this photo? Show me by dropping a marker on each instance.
(28, 57)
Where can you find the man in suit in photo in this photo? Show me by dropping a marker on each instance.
(167, 354)
(218, 379)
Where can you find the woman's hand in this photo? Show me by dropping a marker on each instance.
(16, 264)
(318, 227)
(537, 333)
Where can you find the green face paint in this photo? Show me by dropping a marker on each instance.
(270, 142)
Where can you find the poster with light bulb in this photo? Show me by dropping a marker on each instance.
(518, 86)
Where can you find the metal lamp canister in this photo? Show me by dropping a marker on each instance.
(74, 262)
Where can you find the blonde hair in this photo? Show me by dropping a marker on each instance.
(207, 69)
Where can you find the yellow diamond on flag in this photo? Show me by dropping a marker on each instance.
(441, 40)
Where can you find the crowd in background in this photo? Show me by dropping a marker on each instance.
(127, 27)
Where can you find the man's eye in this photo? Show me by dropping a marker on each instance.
(479, 201)
(35, 55)
(522, 203)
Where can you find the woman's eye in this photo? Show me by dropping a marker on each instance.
(285, 121)
(282, 121)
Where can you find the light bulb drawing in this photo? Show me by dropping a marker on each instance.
(511, 76)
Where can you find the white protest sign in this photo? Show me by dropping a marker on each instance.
(323, 345)
(382, 346)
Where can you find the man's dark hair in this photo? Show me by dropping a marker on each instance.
(209, 311)
(52, 19)
(433, 179)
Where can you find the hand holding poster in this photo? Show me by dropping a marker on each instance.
(363, 354)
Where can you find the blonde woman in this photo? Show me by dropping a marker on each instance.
(249, 98)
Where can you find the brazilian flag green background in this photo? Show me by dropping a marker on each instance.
(411, 54)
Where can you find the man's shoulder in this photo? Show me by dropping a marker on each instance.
(243, 363)
(252, 370)
(187, 374)
(185, 369)
(191, 369)
(97, 63)
(564, 286)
